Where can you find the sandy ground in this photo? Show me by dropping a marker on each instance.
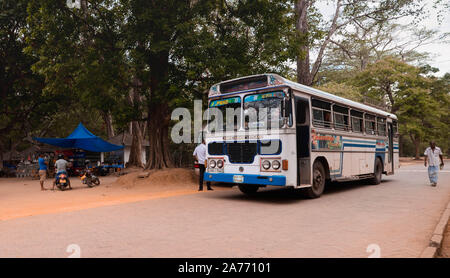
(405, 161)
(22, 197)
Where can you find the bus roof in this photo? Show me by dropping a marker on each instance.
(275, 80)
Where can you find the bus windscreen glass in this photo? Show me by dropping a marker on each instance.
(232, 118)
(263, 110)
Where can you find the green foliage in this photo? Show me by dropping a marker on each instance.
(342, 89)
(22, 104)
(420, 101)
(210, 41)
(138, 59)
(80, 52)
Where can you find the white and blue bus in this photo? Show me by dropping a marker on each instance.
(320, 137)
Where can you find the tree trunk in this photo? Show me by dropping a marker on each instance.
(134, 99)
(416, 142)
(301, 26)
(158, 135)
(135, 158)
(107, 118)
(305, 72)
(158, 114)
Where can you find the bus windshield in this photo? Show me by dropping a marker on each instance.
(232, 118)
(263, 110)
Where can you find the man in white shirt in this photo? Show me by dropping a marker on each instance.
(432, 156)
(61, 167)
(199, 157)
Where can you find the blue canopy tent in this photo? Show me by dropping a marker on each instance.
(81, 138)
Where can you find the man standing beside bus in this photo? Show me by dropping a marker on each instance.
(200, 156)
(432, 156)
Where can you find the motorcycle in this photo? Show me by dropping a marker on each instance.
(89, 179)
(62, 181)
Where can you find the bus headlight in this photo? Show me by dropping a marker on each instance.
(276, 164)
(266, 164)
(219, 163)
(212, 163)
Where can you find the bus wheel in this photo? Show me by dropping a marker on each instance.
(377, 174)
(248, 189)
(319, 178)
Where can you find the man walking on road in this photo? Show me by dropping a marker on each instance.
(200, 156)
(432, 155)
(42, 170)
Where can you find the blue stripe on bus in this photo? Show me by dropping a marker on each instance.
(359, 145)
(247, 178)
(358, 141)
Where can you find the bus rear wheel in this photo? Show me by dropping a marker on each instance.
(248, 189)
(319, 178)
(378, 172)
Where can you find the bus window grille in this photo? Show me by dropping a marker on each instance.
(215, 148)
(242, 152)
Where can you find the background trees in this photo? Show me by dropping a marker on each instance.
(124, 65)
(350, 17)
(419, 104)
(23, 108)
(180, 48)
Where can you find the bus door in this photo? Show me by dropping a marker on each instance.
(390, 169)
(303, 140)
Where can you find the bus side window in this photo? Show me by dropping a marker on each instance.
(340, 117)
(381, 126)
(321, 113)
(357, 121)
(369, 121)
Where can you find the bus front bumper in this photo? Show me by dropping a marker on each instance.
(245, 179)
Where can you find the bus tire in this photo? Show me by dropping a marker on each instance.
(377, 172)
(248, 189)
(319, 178)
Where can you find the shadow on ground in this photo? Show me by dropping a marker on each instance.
(289, 195)
(339, 187)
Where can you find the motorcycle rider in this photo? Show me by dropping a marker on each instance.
(61, 167)
(89, 177)
(87, 170)
(87, 164)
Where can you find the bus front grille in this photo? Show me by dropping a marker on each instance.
(241, 152)
(215, 148)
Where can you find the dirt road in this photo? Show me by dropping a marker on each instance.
(393, 219)
(23, 197)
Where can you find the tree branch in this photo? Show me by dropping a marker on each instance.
(333, 29)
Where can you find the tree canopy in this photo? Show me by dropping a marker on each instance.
(123, 65)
